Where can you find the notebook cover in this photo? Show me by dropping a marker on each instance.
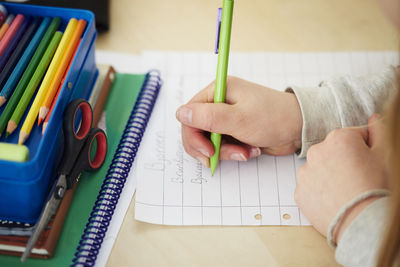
(117, 112)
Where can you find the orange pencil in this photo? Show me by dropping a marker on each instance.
(45, 106)
(6, 25)
(46, 121)
(9, 20)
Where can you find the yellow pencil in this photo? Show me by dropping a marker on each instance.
(44, 87)
(62, 67)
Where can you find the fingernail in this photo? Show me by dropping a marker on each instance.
(255, 152)
(184, 115)
(238, 156)
(205, 153)
(203, 161)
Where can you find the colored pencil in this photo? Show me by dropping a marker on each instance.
(33, 83)
(18, 51)
(47, 80)
(61, 68)
(26, 77)
(44, 87)
(9, 86)
(6, 25)
(15, 40)
(3, 14)
(46, 121)
(10, 32)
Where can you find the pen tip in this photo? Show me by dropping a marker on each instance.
(213, 164)
(212, 169)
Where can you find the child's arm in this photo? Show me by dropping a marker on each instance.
(342, 102)
(264, 120)
(347, 169)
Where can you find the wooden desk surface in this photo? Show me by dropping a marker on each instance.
(259, 25)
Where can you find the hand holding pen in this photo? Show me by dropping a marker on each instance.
(253, 118)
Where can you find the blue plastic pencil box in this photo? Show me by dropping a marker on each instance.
(24, 186)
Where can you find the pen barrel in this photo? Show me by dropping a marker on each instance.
(216, 141)
(223, 51)
(222, 71)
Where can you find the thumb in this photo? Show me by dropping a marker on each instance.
(376, 131)
(211, 117)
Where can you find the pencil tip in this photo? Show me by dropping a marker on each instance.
(42, 114)
(22, 138)
(11, 126)
(44, 127)
(2, 100)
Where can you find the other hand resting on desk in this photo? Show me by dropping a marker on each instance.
(350, 161)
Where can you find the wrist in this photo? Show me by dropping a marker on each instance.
(348, 212)
(294, 119)
(351, 214)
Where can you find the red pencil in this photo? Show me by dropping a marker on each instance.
(10, 32)
(46, 121)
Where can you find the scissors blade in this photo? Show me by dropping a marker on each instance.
(56, 194)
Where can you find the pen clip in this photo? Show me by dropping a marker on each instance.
(218, 30)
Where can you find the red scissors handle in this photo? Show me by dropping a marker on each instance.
(86, 161)
(79, 142)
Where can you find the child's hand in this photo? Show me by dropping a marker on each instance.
(348, 162)
(255, 119)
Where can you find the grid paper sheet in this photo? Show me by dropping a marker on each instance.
(175, 189)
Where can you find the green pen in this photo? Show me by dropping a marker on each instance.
(223, 42)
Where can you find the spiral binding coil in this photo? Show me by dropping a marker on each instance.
(107, 200)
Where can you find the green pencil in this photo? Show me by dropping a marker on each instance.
(33, 63)
(222, 71)
(33, 83)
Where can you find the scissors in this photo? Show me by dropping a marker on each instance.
(77, 157)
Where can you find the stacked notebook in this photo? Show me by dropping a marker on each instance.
(15, 244)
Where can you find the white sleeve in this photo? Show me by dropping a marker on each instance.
(361, 241)
(342, 102)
